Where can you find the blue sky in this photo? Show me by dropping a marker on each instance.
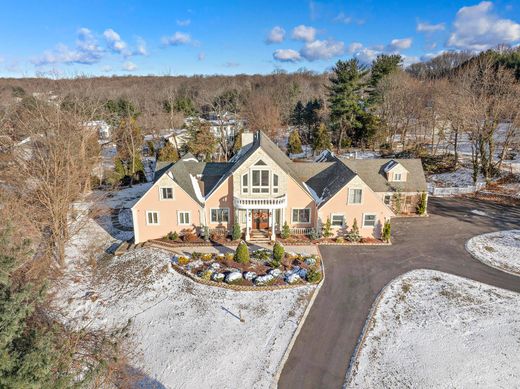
(228, 37)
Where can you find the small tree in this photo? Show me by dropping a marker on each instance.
(168, 153)
(237, 231)
(278, 253)
(295, 143)
(353, 235)
(286, 231)
(397, 201)
(327, 229)
(421, 206)
(242, 253)
(386, 231)
(322, 139)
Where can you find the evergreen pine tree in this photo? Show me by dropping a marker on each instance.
(237, 231)
(294, 145)
(168, 153)
(321, 139)
(242, 253)
(386, 231)
(286, 231)
(345, 98)
(327, 229)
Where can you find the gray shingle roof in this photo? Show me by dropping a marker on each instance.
(372, 172)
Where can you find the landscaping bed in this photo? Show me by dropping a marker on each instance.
(261, 270)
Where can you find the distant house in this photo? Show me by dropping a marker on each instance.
(262, 189)
(102, 128)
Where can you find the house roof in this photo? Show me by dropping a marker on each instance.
(372, 172)
(322, 180)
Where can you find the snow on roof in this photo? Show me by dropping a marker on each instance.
(196, 189)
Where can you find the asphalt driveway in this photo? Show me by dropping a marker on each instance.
(355, 276)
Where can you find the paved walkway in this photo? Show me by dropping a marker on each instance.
(355, 276)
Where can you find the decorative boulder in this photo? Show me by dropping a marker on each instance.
(292, 278)
(263, 280)
(218, 277)
(215, 266)
(233, 277)
(249, 275)
(302, 273)
(275, 272)
(310, 261)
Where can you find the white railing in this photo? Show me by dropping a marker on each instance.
(302, 231)
(266, 203)
(436, 191)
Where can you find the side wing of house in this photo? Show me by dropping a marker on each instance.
(164, 208)
(356, 200)
(219, 212)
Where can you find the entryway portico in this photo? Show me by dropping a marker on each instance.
(262, 213)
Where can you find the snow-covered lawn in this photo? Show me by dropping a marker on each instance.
(497, 249)
(461, 177)
(432, 329)
(185, 335)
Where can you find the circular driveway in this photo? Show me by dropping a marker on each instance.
(355, 275)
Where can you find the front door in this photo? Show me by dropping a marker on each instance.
(261, 219)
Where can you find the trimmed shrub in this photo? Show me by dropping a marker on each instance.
(386, 231)
(353, 235)
(314, 235)
(242, 253)
(340, 239)
(172, 235)
(313, 275)
(327, 229)
(286, 231)
(278, 254)
(237, 232)
(205, 233)
(421, 206)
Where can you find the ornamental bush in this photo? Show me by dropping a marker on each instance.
(386, 231)
(353, 235)
(421, 206)
(286, 231)
(327, 229)
(237, 232)
(242, 253)
(278, 253)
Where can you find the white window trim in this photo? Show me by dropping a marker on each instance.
(260, 187)
(215, 222)
(242, 187)
(161, 193)
(305, 223)
(179, 219)
(397, 180)
(337, 214)
(375, 221)
(348, 198)
(158, 218)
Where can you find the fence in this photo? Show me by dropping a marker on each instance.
(453, 191)
(302, 231)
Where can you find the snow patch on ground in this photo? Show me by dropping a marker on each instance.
(461, 177)
(497, 249)
(432, 329)
(478, 212)
(186, 335)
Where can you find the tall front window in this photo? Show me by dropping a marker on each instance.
(354, 196)
(301, 215)
(260, 182)
(245, 187)
(219, 215)
(275, 183)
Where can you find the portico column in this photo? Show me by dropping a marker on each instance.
(271, 223)
(247, 225)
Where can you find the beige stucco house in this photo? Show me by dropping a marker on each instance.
(261, 188)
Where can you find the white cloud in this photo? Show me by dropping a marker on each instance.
(141, 48)
(366, 55)
(129, 66)
(86, 52)
(106, 68)
(401, 44)
(286, 55)
(276, 35)
(322, 50)
(478, 28)
(354, 46)
(115, 43)
(183, 22)
(343, 18)
(178, 38)
(429, 28)
(201, 56)
(304, 33)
